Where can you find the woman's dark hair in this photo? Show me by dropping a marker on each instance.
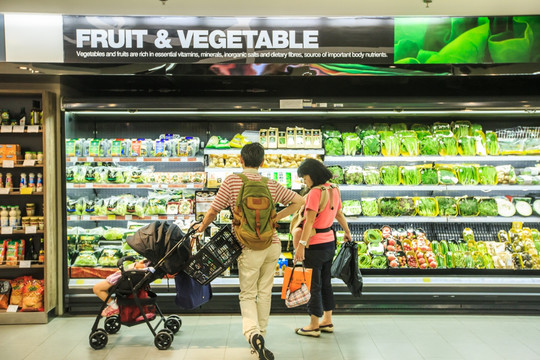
(316, 170)
(252, 154)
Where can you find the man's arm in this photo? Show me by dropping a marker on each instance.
(296, 204)
(210, 216)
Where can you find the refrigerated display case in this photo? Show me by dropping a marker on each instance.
(426, 204)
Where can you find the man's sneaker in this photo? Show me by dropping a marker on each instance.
(257, 346)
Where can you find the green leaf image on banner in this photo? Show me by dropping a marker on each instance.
(467, 40)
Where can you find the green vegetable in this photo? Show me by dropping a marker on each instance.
(459, 260)
(364, 261)
(371, 145)
(429, 145)
(390, 146)
(467, 174)
(441, 261)
(381, 127)
(410, 175)
(398, 127)
(410, 146)
(420, 127)
(351, 143)
(449, 260)
(487, 207)
(492, 143)
(86, 258)
(462, 128)
(337, 172)
(447, 176)
(488, 261)
(370, 207)
(406, 206)
(448, 206)
(352, 207)
(423, 134)
(448, 145)
(427, 206)
(353, 175)
(429, 176)
(378, 262)
(390, 175)
(372, 176)
(113, 234)
(438, 126)
(373, 235)
(333, 146)
(467, 145)
(362, 247)
(389, 207)
(487, 175)
(468, 207)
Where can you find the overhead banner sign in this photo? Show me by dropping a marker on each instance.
(171, 39)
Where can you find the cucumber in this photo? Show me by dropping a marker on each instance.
(444, 247)
(536, 207)
(523, 208)
(435, 246)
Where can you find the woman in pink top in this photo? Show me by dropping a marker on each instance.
(318, 256)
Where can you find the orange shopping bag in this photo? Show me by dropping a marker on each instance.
(301, 275)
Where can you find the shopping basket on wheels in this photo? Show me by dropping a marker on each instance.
(214, 257)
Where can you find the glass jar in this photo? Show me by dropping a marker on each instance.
(30, 209)
(41, 223)
(25, 221)
(39, 157)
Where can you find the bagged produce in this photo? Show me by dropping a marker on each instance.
(372, 176)
(487, 207)
(351, 143)
(333, 146)
(390, 175)
(429, 145)
(86, 258)
(467, 146)
(492, 143)
(429, 176)
(448, 145)
(410, 146)
(337, 172)
(352, 207)
(505, 207)
(391, 146)
(410, 175)
(462, 128)
(426, 206)
(447, 175)
(370, 206)
(354, 175)
(371, 145)
(468, 206)
(487, 175)
(506, 174)
(467, 174)
(109, 256)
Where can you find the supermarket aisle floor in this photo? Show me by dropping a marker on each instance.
(369, 337)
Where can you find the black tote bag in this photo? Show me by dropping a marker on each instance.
(190, 294)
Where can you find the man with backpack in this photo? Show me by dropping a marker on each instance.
(252, 199)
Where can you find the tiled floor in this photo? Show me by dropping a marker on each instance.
(366, 337)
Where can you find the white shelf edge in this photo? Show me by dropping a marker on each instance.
(442, 188)
(439, 219)
(139, 159)
(266, 151)
(438, 159)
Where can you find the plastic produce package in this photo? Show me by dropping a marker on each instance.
(352, 207)
(468, 206)
(372, 175)
(410, 175)
(429, 176)
(487, 175)
(467, 174)
(390, 175)
(429, 145)
(371, 145)
(86, 258)
(448, 206)
(353, 175)
(351, 143)
(337, 172)
(370, 206)
(487, 207)
(448, 145)
(426, 206)
(109, 257)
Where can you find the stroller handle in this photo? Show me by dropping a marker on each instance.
(120, 262)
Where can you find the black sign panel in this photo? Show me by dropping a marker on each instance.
(169, 39)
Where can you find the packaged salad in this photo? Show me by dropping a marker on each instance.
(371, 145)
(429, 145)
(487, 175)
(448, 144)
(410, 175)
(354, 175)
(391, 146)
(372, 175)
(390, 175)
(468, 206)
(447, 175)
(467, 174)
(426, 206)
(448, 206)
(370, 206)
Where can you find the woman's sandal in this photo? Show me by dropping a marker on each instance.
(314, 332)
(327, 328)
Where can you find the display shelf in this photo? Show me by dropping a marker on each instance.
(18, 193)
(22, 317)
(21, 129)
(442, 188)
(237, 169)
(19, 164)
(128, 217)
(438, 219)
(502, 159)
(190, 159)
(18, 232)
(266, 151)
(134, 186)
(33, 266)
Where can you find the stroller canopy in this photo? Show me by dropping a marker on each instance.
(155, 240)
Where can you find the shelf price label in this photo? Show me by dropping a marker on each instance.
(79, 282)
(6, 128)
(18, 128)
(33, 128)
(31, 229)
(12, 308)
(4, 191)
(8, 164)
(25, 264)
(29, 163)
(7, 230)
(128, 217)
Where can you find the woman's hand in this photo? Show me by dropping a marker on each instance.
(348, 236)
(299, 254)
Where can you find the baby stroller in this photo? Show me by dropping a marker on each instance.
(168, 250)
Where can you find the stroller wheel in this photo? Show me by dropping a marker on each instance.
(98, 339)
(173, 323)
(163, 340)
(112, 324)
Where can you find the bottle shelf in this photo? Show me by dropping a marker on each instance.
(192, 159)
(21, 129)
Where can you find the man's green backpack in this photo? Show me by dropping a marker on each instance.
(254, 217)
